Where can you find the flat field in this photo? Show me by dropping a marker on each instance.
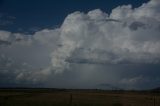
(50, 97)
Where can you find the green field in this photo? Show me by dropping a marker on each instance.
(48, 97)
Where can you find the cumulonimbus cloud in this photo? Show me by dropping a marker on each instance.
(125, 36)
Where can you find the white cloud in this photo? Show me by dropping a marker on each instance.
(47, 37)
(4, 35)
(134, 38)
(126, 36)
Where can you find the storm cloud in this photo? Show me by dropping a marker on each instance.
(86, 45)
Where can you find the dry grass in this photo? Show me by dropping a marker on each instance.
(77, 98)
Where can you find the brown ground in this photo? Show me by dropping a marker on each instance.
(77, 98)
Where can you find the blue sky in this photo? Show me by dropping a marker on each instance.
(80, 43)
(30, 15)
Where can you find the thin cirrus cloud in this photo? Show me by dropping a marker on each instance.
(126, 36)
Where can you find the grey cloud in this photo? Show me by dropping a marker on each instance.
(5, 42)
(136, 25)
(113, 20)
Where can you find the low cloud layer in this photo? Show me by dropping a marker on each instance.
(126, 36)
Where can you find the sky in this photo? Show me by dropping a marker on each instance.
(100, 44)
(28, 16)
